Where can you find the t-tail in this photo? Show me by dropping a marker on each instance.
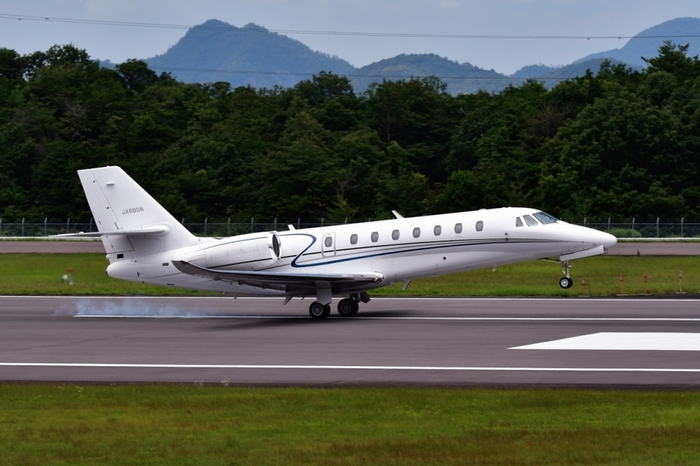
(130, 222)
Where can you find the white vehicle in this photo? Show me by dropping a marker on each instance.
(145, 244)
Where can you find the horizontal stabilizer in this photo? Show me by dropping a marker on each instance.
(279, 279)
(151, 231)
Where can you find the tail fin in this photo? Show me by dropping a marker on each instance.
(129, 220)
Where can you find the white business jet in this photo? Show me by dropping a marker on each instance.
(145, 244)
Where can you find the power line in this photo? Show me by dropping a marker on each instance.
(233, 29)
(229, 28)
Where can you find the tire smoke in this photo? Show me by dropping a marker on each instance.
(128, 307)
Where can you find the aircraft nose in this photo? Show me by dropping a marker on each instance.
(594, 237)
(601, 238)
(607, 240)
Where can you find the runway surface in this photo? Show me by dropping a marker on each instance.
(416, 341)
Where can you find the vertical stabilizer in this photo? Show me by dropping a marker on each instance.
(138, 223)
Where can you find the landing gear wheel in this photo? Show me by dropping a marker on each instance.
(348, 307)
(318, 310)
(566, 282)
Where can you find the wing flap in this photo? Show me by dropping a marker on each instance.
(279, 279)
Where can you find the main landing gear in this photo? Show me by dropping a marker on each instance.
(566, 281)
(319, 311)
(347, 307)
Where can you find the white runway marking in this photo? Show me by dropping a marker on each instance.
(607, 341)
(343, 368)
(436, 318)
(378, 298)
(467, 300)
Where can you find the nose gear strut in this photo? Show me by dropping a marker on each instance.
(566, 281)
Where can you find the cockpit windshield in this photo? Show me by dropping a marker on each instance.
(544, 218)
(531, 222)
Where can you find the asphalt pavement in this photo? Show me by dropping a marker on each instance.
(633, 343)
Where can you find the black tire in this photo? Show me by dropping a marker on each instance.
(348, 307)
(566, 282)
(318, 310)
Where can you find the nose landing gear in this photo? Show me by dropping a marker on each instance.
(566, 281)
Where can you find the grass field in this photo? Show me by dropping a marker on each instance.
(219, 425)
(34, 274)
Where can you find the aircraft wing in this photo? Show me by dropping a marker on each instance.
(291, 282)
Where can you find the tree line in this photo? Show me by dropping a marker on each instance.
(616, 143)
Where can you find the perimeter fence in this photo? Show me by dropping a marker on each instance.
(48, 227)
(647, 228)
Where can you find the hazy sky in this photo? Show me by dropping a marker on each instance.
(424, 18)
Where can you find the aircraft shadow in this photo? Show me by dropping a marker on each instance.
(300, 321)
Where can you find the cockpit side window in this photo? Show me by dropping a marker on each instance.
(531, 222)
(545, 218)
(518, 222)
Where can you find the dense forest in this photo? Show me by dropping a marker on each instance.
(619, 143)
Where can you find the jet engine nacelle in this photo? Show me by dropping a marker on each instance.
(249, 252)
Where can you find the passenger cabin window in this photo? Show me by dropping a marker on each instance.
(437, 231)
(458, 228)
(531, 222)
(353, 239)
(518, 222)
(416, 232)
(479, 225)
(395, 234)
(375, 237)
(545, 218)
(328, 241)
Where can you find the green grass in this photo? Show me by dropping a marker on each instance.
(34, 274)
(176, 424)
(42, 274)
(541, 278)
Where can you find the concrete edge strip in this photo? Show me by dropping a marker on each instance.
(333, 367)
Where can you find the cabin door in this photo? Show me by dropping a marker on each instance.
(328, 244)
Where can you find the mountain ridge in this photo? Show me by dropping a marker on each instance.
(636, 48)
(197, 56)
(252, 55)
